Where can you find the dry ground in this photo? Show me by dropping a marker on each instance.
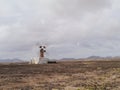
(72, 75)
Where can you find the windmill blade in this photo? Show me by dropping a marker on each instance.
(43, 45)
(46, 46)
(37, 44)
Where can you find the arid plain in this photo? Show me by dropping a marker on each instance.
(64, 75)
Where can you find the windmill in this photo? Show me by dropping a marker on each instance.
(42, 54)
(42, 51)
(42, 58)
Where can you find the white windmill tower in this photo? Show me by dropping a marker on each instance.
(42, 58)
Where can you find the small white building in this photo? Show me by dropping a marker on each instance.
(34, 61)
(37, 61)
(43, 60)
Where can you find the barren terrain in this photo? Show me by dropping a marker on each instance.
(66, 75)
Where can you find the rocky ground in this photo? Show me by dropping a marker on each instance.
(72, 75)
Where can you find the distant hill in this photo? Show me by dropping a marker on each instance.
(10, 60)
(103, 58)
(65, 59)
(95, 57)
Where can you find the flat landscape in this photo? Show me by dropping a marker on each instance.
(64, 75)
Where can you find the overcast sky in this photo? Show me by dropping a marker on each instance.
(69, 28)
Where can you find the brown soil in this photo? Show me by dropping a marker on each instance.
(72, 75)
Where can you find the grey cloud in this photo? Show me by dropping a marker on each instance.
(77, 8)
(61, 25)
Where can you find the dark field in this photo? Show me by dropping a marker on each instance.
(72, 75)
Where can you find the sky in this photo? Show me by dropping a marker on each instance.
(68, 28)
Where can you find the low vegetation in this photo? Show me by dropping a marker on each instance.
(72, 75)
